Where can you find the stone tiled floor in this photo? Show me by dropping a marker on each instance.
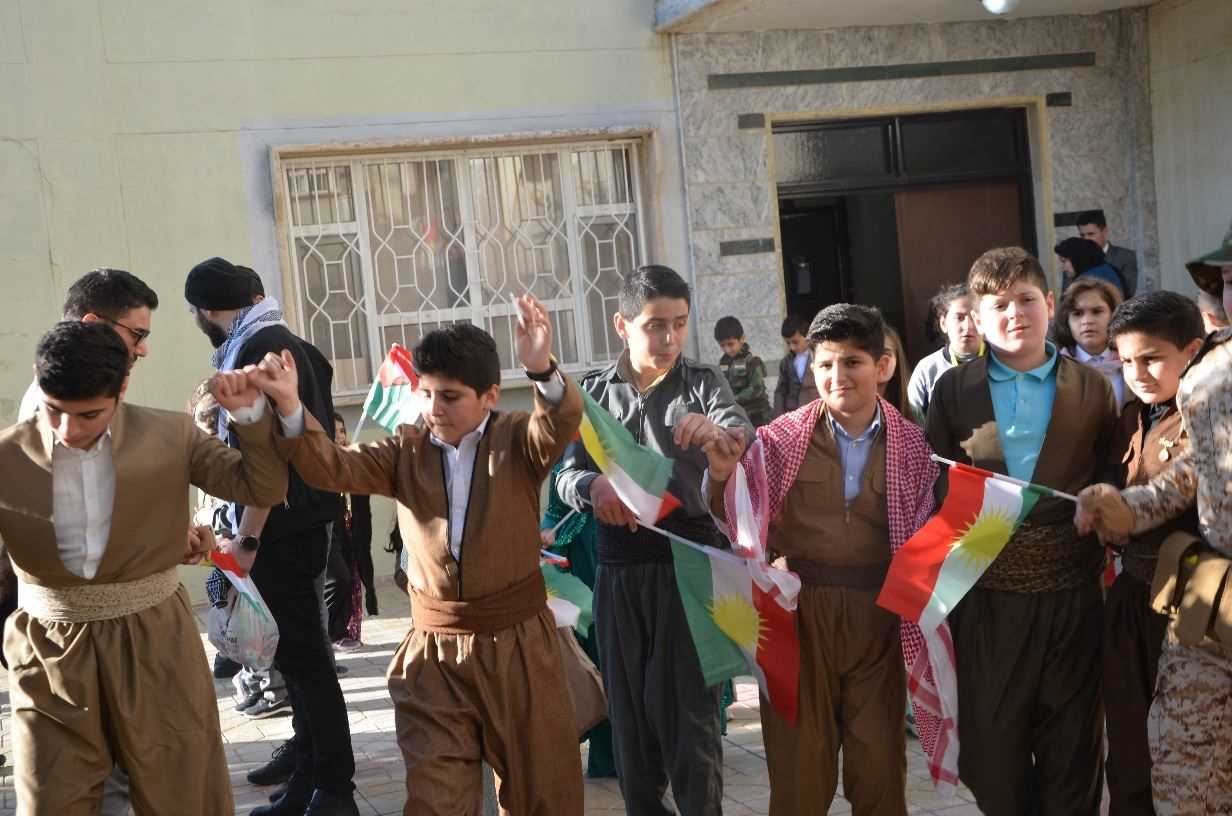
(379, 774)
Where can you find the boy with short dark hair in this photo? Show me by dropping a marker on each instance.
(848, 481)
(795, 386)
(106, 664)
(1027, 636)
(665, 720)
(745, 372)
(1155, 336)
(479, 677)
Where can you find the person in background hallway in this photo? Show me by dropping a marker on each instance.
(1079, 257)
(795, 386)
(893, 388)
(351, 537)
(1094, 227)
(745, 372)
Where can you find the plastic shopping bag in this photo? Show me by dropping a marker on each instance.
(243, 628)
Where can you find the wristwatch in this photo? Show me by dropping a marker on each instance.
(249, 543)
(542, 376)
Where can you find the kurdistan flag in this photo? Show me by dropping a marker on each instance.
(740, 622)
(392, 401)
(568, 598)
(638, 475)
(938, 565)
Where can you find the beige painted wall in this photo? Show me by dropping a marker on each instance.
(133, 132)
(1191, 102)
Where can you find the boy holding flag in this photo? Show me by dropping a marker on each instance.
(665, 720)
(848, 480)
(1027, 636)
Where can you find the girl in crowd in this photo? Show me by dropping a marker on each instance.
(1081, 329)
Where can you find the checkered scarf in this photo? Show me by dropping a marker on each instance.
(772, 463)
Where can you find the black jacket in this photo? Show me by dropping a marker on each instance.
(305, 507)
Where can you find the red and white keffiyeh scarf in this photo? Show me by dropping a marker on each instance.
(771, 465)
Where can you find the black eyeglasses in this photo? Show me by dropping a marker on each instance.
(141, 335)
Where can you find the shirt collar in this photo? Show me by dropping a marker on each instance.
(1081, 355)
(88, 453)
(872, 430)
(1000, 372)
(470, 437)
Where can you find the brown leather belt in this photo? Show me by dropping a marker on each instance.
(815, 573)
(491, 613)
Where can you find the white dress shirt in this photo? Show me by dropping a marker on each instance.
(83, 484)
(82, 491)
(460, 466)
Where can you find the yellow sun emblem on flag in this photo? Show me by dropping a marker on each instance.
(984, 538)
(738, 619)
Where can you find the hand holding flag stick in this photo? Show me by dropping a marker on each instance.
(533, 334)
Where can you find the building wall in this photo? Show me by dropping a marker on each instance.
(137, 133)
(1191, 78)
(1096, 153)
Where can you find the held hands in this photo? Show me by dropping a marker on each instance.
(200, 544)
(234, 390)
(1102, 508)
(608, 507)
(697, 429)
(533, 335)
(278, 378)
(723, 452)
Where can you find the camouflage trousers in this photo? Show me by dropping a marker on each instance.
(1190, 728)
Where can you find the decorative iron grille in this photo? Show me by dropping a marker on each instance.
(385, 248)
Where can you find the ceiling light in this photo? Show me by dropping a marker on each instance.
(999, 6)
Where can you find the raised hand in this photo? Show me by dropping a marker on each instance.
(278, 378)
(1102, 508)
(234, 390)
(533, 335)
(723, 452)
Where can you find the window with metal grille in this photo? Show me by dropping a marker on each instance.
(384, 248)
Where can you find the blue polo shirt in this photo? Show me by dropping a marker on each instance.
(1022, 404)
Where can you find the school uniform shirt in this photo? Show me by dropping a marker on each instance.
(854, 452)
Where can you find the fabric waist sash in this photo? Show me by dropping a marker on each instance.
(98, 602)
(815, 573)
(491, 613)
(1044, 558)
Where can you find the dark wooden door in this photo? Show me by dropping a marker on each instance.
(941, 231)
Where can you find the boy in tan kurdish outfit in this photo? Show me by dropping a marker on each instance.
(832, 524)
(478, 677)
(106, 666)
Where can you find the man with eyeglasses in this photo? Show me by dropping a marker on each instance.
(111, 296)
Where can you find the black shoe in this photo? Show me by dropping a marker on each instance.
(291, 803)
(279, 768)
(372, 606)
(325, 803)
(225, 668)
(340, 669)
(280, 791)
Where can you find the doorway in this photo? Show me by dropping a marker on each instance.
(886, 211)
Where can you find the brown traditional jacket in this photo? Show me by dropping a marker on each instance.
(962, 426)
(500, 542)
(1140, 455)
(157, 456)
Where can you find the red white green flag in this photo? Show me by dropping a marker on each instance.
(938, 565)
(638, 475)
(740, 622)
(392, 400)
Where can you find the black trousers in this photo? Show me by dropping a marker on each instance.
(1030, 720)
(337, 588)
(284, 573)
(665, 720)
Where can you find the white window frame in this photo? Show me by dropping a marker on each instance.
(358, 158)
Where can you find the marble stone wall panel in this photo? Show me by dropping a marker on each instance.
(737, 204)
(741, 155)
(708, 261)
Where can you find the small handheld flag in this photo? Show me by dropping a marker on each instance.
(392, 400)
